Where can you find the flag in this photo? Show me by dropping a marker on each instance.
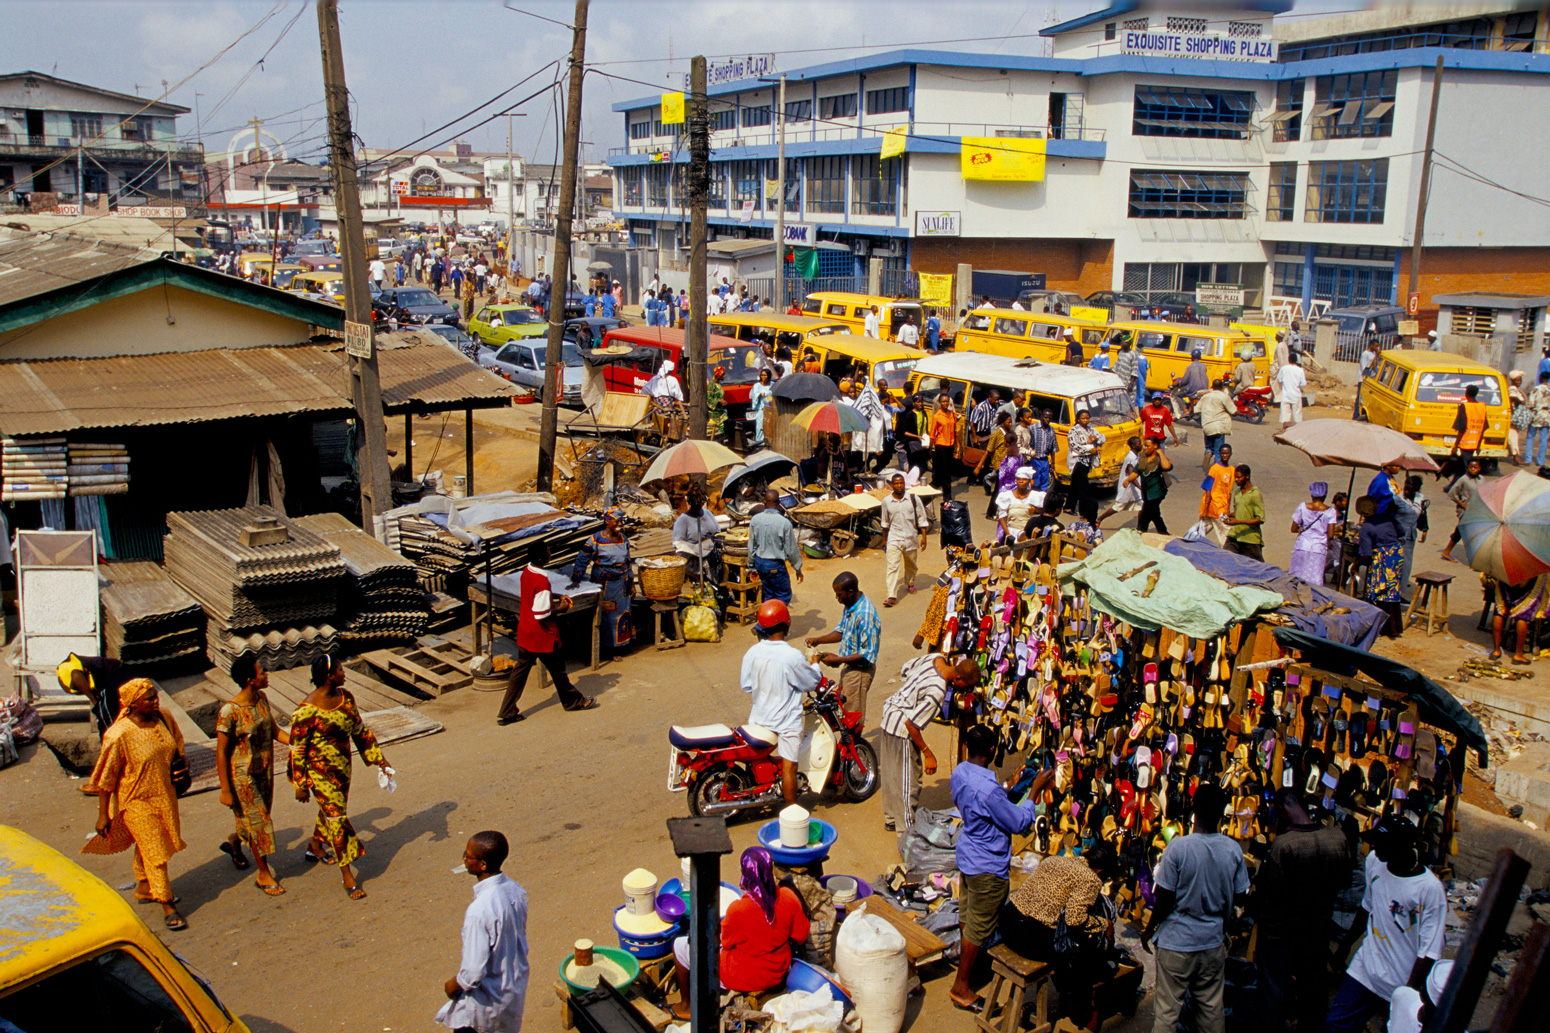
(804, 261)
(937, 289)
(893, 141)
(672, 109)
(1002, 159)
(772, 189)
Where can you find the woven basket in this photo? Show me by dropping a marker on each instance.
(663, 577)
(735, 542)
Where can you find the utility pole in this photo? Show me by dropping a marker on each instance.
(696, 373)
(365, 387)
(263, 216)
(511, 190)
(549, 425)
(1426, 185)
(780, 196)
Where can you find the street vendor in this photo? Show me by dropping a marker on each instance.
(696, 534)
(860, 635)
(1378, 544)
(1518, 604)
(608, 554)
(98, 678)
(903, 756)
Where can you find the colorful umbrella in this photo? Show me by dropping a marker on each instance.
(1353, 443)
(834, 418)
(1505, 531)
(693, 456)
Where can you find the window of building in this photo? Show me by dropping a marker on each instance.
(1347, 191)
(1287, 117)
(841, 105)
(630, 184)
(1354, 105)
(1176, 111)
(1110, 30)
(826, 184)
(85, 126)
(759, 115)
(726, 119)
(881, 102)
(661, 129)
(1186, 24)
(799, 110)
(640, 130)
(876, 189)
(1137, 25)
(1188, 195)
(658, 177)
(94, 181)
(1246, 30)
(1471, 34)
(747, 181)
(1518, 30)
(1281, 200)
(1288, 279)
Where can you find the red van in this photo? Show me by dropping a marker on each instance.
(654, 345)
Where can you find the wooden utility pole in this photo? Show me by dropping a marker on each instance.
(1426, 185)
(780, 199)
(549, 426)
(365, 387)
(696, 373)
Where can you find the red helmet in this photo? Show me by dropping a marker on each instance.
(772, 613)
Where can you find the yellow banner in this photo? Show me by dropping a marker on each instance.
(936, 289)
(1092, 315)
(772, 189)
(1002, 159)
(672, 109)
(893, 141)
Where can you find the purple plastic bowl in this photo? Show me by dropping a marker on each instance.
(671, 907)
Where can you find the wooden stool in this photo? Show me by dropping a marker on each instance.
(1017, 974)
(664, 614)
(743, 588)
(1431, 601)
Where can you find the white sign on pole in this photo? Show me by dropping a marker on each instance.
(938, 224)
(746, 215)
(357, 339)
(1211, 45)
(801, 234)
(1218, 294)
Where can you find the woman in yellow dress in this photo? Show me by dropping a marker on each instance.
(321, 732)
(136, 804)
(245, 735)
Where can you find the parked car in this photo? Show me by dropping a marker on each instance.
(587, 333)
(458, 339)
(313, 247)
(417, 305)
(522, 362)
(1116, 299)
(494, 325)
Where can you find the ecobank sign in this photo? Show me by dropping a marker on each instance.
(1217, 45)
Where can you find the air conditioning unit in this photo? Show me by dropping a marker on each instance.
(862, 246)
(895, 247)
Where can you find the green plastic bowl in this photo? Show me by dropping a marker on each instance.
(624, 959)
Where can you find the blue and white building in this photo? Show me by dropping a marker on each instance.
(1232, 146)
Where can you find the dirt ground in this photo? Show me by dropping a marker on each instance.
(581, 796)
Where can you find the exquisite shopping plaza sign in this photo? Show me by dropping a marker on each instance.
(1218, 45)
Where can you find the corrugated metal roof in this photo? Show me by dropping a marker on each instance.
(59, 395)
(36, 263)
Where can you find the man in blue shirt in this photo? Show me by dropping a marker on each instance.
(984, 851)
(772, 544)
(608, 305)
(1142, 366)
(490, 988)
(1101, 360)
(860, 636)
(933, 331)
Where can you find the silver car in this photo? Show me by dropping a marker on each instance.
(522, 362)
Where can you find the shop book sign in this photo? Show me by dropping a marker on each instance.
(938, 224)
(1002, 159)
(357, 339)
(1217, 45)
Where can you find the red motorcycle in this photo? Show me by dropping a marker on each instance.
(1250, 405)
(725, 770)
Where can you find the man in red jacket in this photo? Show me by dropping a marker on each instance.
(538, 640)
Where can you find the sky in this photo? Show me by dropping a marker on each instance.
(413, 66)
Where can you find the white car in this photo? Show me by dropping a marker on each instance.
(522, 362)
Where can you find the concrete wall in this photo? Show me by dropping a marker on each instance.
(136, 324)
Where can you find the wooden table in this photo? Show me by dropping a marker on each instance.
(921, 945)
(509, 602)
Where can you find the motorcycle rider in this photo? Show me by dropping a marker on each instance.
(1243, 373)
(1192, 383)
(777, 676)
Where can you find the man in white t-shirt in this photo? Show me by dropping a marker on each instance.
(378, 272)
(1403, 913)
(909, 333)
(871, 325)
(1292, 381)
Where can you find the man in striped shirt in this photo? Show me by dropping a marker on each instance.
(1042, 445)
(903, 756)
(982, 418)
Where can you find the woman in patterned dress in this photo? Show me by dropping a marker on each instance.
(607, 553)
(321, 731)
(245, 735)
(1378, 544)
(134, 775)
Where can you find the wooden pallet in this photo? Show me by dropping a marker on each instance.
(432, 665)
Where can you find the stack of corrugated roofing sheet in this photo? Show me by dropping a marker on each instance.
(97, 469)
(257, 591)
(381, 600)
(34, 468)
(149, 622)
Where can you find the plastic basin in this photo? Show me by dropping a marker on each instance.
(621, 958)
(821, 837)
(863, 888)
(808, 979)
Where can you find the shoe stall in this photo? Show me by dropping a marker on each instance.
(1135, 675)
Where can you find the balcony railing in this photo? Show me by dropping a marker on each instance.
(38, 144)
(802, 131)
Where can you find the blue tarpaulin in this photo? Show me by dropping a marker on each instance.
(1309, 607)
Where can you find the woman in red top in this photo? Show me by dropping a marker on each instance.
(756, 934)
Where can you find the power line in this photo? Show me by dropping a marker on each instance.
(256, 65)
(823, 50)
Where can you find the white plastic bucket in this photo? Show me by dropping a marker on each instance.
(794, 823)
(640, 892)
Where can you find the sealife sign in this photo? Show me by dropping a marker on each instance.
(1214, 45)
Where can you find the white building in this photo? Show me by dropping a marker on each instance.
(1181, 147)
